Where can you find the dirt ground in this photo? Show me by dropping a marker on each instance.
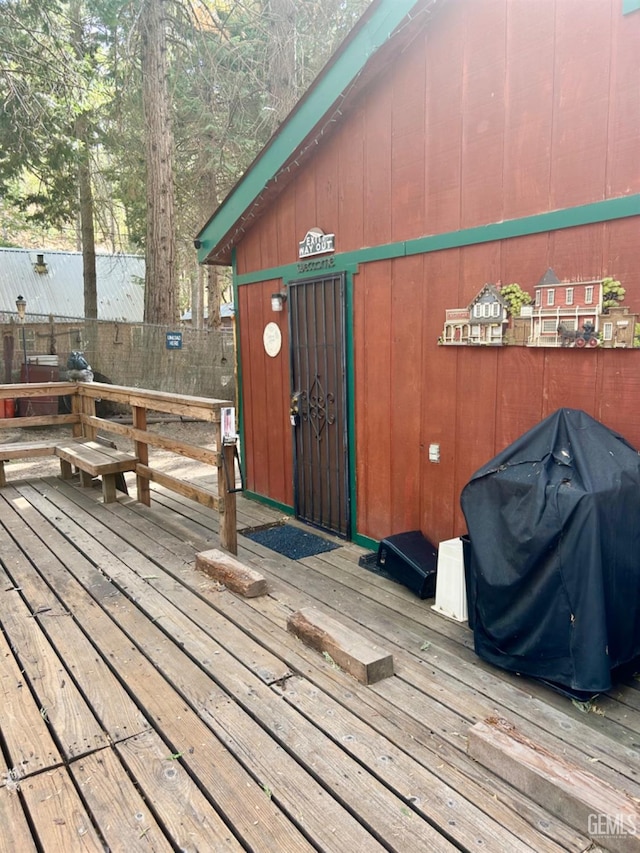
(190, 432)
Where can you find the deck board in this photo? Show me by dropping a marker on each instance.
(28, 742)
(125, 821)
(59, 817)
(427, 743)
(62, 705)
(16, 834)
(200, 723)
(171, 792)
(258, 744)
(120, 717)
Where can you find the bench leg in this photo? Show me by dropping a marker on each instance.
(66, 472)
(86, 480)
(108, 488)
(3, 481)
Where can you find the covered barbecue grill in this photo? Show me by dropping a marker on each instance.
(553, 558)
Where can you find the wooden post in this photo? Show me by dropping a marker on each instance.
(77, 409)
(141, 449)
(89, 409)
(227, 509)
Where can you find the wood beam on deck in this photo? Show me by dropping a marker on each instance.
(232, 573)
(576, 796)
(367, 662)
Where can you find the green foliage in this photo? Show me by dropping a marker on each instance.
(613, 293)
(515, 297)
(236, 67)
(51, 78)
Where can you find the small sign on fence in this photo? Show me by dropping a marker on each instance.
(174, 340)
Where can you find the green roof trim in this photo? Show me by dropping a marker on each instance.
(630, 6)
(336, 77)
(552, 220)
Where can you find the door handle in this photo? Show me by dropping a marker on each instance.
(294, 410)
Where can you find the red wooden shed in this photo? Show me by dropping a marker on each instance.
(447, 145)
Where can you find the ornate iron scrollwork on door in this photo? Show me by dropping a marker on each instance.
(317, 407)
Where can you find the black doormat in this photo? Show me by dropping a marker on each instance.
(291, 541)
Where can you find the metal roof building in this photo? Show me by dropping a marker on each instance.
(52, 283)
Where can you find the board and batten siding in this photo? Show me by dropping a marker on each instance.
(498, 110)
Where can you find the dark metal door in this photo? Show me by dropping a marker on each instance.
(318, 402)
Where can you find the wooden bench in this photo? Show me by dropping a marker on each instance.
(94, 459)
(23, 450)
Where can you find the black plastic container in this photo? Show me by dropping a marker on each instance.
(412, 560)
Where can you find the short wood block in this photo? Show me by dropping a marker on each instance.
(363, 660)
(579, 798)
(232, 573)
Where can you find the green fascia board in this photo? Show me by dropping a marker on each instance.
(553, 220)
(629, 6)
(329, 86)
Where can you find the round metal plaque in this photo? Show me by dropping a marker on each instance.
(272, 338)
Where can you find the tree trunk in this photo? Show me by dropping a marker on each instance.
(213, 291)
(197, 298)
(280, 16)
(85, 191)
(86, 224)
(160, 302)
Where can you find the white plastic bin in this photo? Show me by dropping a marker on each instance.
(451, 591)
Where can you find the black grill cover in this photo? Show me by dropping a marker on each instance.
(553, 567)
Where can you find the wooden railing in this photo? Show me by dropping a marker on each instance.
(83, 421)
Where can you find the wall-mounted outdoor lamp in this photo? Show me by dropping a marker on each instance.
(278, 300)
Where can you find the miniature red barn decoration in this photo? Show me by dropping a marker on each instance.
(446, 144)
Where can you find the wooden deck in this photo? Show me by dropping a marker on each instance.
(145, 708)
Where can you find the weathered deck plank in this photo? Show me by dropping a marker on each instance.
(487, 799)
(59, 818)
(233, 733)
(62, 705)
(120, 717)
(16, 834)
(462, 678)
(125, 821)
(417, 739)
(257, 818)
(424, 740)
(587, 737)
(565, 789)
(30, 747)
(190, 819)
(288, 782)
(574, 843)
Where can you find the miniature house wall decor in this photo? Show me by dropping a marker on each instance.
(482, 323)
(561, 314)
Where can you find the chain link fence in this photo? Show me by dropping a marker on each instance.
(175, 359)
